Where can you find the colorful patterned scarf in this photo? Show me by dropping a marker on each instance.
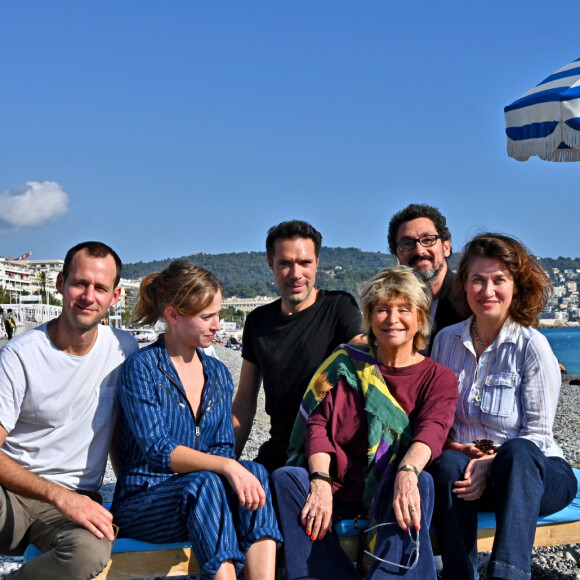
(389, 432)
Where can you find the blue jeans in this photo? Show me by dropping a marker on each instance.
(305, 559)
(393, 543)
(523, 484)
(321, 560)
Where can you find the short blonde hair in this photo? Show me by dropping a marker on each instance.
(391, 284)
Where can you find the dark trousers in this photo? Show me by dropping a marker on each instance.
(393, 544)
(322, 560)
(316, 560)
(523, 485)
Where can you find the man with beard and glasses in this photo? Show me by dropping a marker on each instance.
(419, 237)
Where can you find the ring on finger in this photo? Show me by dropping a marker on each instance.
(412, 509)
(309, 516)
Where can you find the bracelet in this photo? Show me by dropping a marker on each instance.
(322, 475)
(409, 467)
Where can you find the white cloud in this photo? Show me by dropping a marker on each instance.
(33, 204)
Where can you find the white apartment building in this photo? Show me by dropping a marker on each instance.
(50, 268)
(16, 277)
(130, 292)
(246, 304)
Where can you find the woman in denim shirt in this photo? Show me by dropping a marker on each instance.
(500, 455)
(180, 480)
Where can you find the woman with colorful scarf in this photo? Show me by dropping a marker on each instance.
(372, 418)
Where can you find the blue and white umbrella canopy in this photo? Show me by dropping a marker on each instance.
(546, 120)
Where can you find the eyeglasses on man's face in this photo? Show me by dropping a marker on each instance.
(408, 244)
(413, 557)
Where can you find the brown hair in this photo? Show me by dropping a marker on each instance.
(289, 230)
(95, 250)
(184, 286)
(390, 284)
(413, 212)
(532, 286)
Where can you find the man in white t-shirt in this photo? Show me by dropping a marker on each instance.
(57, 415)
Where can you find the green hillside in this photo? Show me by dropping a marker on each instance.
(246, 274)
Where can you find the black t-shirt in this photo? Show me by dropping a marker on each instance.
(288, 350)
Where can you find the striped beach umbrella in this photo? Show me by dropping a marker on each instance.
(546, 120)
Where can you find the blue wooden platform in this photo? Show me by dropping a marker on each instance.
(136, 559)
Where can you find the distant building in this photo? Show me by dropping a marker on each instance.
(246, 304)
(50, 268)
(15, 277)
(559, 291)
(42, 265)
(130, 290)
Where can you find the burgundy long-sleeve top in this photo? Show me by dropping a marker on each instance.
(427, 392)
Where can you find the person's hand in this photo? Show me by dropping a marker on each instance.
(475, 478)
(247, 486)
(316, 514)
(473, 451)
(82, 510)
(470, 449)
(407, 500)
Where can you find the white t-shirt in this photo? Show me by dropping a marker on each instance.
(60, 409)
(211, 351)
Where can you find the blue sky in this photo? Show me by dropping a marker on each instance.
(167, 128)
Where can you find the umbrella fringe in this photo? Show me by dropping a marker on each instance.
(547, 147)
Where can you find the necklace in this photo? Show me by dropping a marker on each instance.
(484, 343)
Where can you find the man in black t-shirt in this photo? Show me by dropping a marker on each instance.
(287, 340)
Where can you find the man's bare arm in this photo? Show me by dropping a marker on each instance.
(245, 403)
(76, 507)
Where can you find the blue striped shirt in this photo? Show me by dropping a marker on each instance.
(511, 391)
(157, 417)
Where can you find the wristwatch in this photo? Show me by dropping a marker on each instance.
(322, 475)
(409, 467)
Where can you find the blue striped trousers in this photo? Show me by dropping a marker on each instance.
(200, 507)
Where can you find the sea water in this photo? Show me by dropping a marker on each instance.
(565, 343)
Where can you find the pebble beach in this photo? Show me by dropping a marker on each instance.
(560, 562)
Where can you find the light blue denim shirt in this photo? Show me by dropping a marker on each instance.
(511, 391)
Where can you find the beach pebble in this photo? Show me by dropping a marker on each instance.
(551, 563)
